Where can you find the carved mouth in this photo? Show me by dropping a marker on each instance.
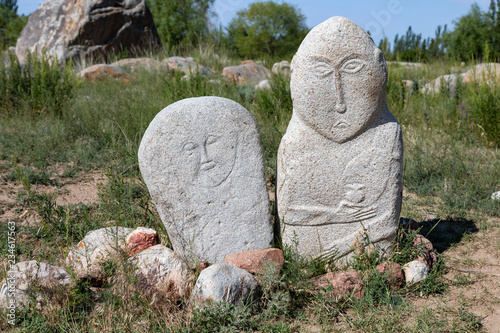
(340, 124)
(207, 165)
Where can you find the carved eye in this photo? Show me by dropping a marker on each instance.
(189, 147)
(323, 69)
(211, 139)
(352, 66)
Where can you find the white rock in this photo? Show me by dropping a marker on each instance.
(446, 82)
(186, 65)
(138, 64)
(80, 256)
(415, 271)
(281, 68)
(495, 196)
(224, 283)
(264, 84)
(161, 268)
(22, 277)
(340, 161)
(202, 163)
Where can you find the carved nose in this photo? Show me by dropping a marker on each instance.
(340, 107)
(339, 99)
(204, 155)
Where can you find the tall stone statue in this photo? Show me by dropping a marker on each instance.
(202, 162)
(340, 161)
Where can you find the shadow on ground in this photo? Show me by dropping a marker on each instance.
(443, 233)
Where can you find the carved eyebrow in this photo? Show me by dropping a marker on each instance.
(328, 61)
(322, 59)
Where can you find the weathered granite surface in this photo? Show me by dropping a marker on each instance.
(71, 28)
(340, 161)
(224, 283)
(160, 268)
(202, 162)
(24, 280)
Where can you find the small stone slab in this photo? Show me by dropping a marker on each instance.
(247, 73)
(224, 283)
(256, 260)
(202, 162)
(340, 162)
(23, 275)
(101, 71)
(160, 268)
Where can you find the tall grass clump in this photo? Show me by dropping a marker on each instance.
(38, 87)
(484, 105)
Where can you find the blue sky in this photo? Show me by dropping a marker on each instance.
(381, 17)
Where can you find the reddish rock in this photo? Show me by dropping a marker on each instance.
(343, 284)
(254, 261)
(395, 273)
(101, 71)
(141, 239)
(425, 251)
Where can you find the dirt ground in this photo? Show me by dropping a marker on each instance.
(473, 263)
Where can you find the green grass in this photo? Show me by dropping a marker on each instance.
(451, 163)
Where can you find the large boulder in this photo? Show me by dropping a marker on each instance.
(72, 28)
(27, 279)
(488, 72)
(446, 82)
(247, 73)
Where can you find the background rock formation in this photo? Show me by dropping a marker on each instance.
(90, 28)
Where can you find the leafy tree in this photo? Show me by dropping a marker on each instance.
(10, 23)
(468, 38)
(267, 29)
(181, 21)
(9, 4)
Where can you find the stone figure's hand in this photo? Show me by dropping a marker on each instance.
(346, 212)
(350, 212)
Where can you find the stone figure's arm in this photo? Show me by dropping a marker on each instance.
(311, 215)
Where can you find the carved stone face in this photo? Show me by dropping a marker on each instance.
(338, 80)
(206, 156)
